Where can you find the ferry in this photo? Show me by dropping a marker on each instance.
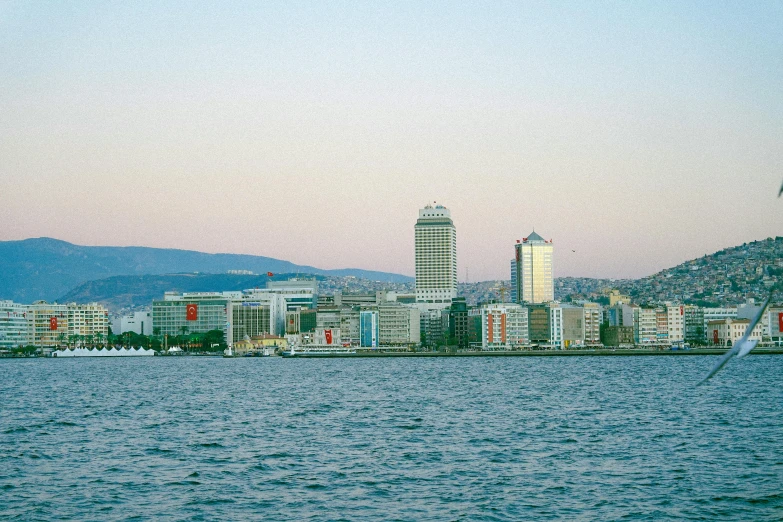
(316, 350)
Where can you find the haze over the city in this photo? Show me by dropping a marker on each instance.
(636, 136)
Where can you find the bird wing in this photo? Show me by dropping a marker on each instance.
(746, 347)
(721, 363)
(741, 346)
(781, 191)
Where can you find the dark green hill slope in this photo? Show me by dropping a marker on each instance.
(45, 268)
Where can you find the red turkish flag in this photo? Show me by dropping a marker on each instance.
(53, 323)
(328, 334)
(780, 321)
(269, 274)
(715, 336)
(191, 312)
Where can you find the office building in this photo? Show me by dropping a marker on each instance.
(504, 326)
(51, 325)
(533, 264)
(137, 322)
(13, 325)
(436, 257)
(398, 325)
(368, 329)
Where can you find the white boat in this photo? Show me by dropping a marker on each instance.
(317, 350)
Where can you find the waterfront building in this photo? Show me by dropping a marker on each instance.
(13, 325)
(264, 344)
(436, 257)
(715, 314)
(573, 326)
(618, 336)
(398, 325)
(539, 324)
(343, 318)
(693, 325)
(533, 264)
(504, 326)
(52, 325)
(514, 297)
(88, 321)
(298, 293)
(775, 320)
(458, 324)
(675, 323)
(47, 324)
(620, 315)
(592, 322)
(726, 332)
(300, 321)
(433, 326)
(193, 312)
(555, 326)
(327, 337)
(368, 329)
(661, 326)
(645, 325)
(137, 322)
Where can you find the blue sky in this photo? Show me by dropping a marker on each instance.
(638, 134)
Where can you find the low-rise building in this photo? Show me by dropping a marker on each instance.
(618, 336)
(265, 344)
(137, 322)
(13, 325)
(504, 326)
(725, 332)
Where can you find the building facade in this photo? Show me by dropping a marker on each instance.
(726, 332)
(533, 265)
(51, 325)
(504, 326)
(13, 325)
(194, 312)
(436, 257)
(368, 329)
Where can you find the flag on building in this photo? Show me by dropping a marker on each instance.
(328, 334)
(191, 312)
(269, 274)
(52, 323)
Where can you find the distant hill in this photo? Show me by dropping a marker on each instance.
(45, 268)
(132, 291)
(125, 292)
(729, 276)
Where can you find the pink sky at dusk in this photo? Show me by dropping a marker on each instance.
(637, 136)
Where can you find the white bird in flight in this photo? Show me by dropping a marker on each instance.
(743, 346)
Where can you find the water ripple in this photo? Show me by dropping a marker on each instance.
(396, 439)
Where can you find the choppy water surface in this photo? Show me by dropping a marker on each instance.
(572, 438)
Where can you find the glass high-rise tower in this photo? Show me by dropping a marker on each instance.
(533, 265)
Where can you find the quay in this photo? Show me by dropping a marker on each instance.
(532, 353)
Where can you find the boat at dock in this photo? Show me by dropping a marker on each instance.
(316, 350)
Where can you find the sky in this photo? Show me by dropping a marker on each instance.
(636, 135)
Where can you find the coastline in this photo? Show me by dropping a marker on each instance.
(541, 353)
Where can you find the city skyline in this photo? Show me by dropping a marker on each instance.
(637, 136)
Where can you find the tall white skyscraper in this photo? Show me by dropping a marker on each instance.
(533, 265)
(436, 257)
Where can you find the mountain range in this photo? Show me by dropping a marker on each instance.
(46, 268)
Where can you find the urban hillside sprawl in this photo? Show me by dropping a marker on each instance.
(703, 302)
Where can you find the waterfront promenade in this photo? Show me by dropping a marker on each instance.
(535, 353)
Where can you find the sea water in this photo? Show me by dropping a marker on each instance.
(533, 438)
